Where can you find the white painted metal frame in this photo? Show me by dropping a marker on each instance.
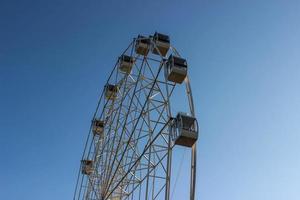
(133, 160)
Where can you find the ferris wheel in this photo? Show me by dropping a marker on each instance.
(136, 127)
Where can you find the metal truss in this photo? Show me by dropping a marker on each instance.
(133, 159)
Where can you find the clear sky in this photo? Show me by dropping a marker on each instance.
(244, 59)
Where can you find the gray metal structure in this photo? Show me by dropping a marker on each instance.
(132, 158)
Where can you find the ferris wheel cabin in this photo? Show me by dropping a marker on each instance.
(142, 45)
(111, 91)
(176, 69)
(126, 63)
(161, 44)
(187, 130)
(98, 127)
(87, 167)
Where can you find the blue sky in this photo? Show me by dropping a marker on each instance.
(244, 63)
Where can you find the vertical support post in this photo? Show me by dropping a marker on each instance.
(169, 156)
(149, 161)
(168, 181)
(193, 172)
(194, 148)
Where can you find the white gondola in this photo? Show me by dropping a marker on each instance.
(126, 63)
(111, 91)
(176, 69)
(98, 127)
(142, 45)
(161, 44)
(186, 130)
(87, 167)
